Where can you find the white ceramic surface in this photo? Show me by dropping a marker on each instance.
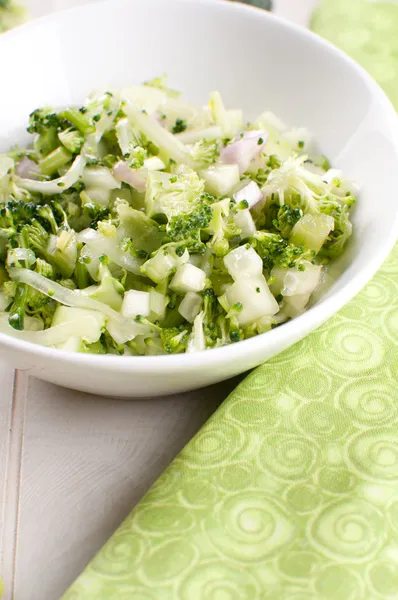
(257, 61)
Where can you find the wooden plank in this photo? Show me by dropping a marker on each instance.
(86, 462)
(11, 433)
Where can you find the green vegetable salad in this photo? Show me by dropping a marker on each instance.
(141, 225)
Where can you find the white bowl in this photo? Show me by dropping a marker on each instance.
(257, 62)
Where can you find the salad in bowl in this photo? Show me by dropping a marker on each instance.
(139, 224)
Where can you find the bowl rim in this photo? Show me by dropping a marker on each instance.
(321, 312)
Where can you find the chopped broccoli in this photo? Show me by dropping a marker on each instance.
(172, 195)
(213, 315)
(286, 219)
(42, 119)
(180, 126)
(186, 228)
(204, 152)
(174, 340)
(277, 252)
(46, 124)
(14, 214)
(92, 210)
(44, 268)
(60, 250)
(222, 228)
(136, 157)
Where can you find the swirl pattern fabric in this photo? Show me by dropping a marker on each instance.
(290, 491)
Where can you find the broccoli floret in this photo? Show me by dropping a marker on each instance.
(92, 210)
(72, 140)
(46, 217)
(212, 311)
(186, 228)
(42, 119)
(15, 214)
(260, 175)
(222, 228)
(40, 306)
(60, 250)
(286, 219)
(22, 211)
(137, 156)
(44, 268)
(204, 152)
(277, 252)
(174, 340)
(46, 124)
(180, 126)
(172, 195)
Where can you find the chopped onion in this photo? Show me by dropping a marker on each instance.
(295, 305)
(136, 303)
(134, 177)
(100, 177)
(254, 298)
(190, 306)
(56, 186)
(197, 341)
(243, 263)
(220, 179)
(157, 303)
(86, 235)
(244, 220)
(249, 192)
(188, 278)
(292, 282)
(27, 169)
(154, 163)
(121, 329)
(99, 195)
(243, 151)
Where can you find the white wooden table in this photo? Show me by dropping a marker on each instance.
(71, 465)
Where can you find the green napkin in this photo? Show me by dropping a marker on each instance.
(290, 491)
(367, 30)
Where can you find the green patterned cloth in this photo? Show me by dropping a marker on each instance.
(290, 491)
(368, 31)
